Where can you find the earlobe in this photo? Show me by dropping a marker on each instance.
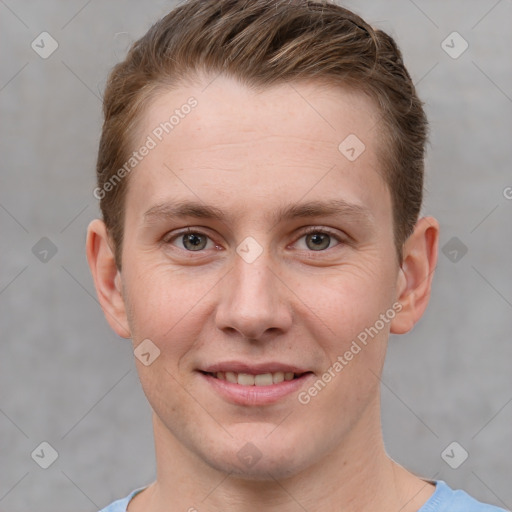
(107, 278)
(415, 276)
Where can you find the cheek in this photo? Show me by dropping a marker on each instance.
(348, 300)
(164, 302)
(345, 312)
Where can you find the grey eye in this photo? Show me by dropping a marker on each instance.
(318, 241)
(194, 241)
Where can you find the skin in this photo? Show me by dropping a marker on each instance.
(249, 153)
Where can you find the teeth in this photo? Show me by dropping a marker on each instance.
(263, 379)
(231, 377)
(244, 379)
(277, 377)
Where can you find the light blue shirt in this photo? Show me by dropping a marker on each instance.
(444, 499)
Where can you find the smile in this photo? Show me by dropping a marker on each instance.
(255, 389)
(262, 379)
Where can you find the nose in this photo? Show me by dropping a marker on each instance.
(253, 300)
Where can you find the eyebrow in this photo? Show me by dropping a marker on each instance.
(199, 210)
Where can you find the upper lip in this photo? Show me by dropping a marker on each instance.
(252, 368)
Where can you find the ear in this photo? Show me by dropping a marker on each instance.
(107, 277)
(414, 279)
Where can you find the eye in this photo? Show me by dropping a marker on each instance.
(191, 241)
(319, 239)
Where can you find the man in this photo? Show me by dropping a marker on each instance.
(260, 175)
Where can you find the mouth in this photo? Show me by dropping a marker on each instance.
(260, 379)
(255, 386)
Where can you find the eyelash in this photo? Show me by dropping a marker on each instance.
(305, 232)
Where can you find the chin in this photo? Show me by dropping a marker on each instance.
(260, 458)
(266, 469)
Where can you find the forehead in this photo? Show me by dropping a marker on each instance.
(218, 136)
(226, 110)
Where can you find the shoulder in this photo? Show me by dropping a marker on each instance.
(446, 499)
(117, 506)
(122, 504)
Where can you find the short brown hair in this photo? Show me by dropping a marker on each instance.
(260, 43)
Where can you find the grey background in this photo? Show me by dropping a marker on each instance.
(65, 378)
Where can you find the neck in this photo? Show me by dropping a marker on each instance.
(357, 476)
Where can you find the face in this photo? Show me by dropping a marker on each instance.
(255, 255)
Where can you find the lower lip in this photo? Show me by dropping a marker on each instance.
(255, 395)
